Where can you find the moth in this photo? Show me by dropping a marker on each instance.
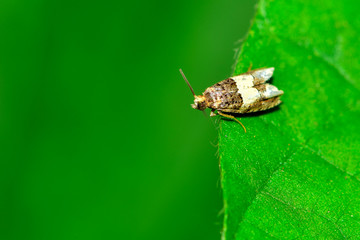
(244, 93)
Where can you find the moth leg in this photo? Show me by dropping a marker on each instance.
(212, 113)
(231, 117)
(249, 69)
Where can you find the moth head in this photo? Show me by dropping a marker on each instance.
(199, 103)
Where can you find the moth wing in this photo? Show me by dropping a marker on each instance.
(223, 94)
(260, 105)
(262, 75)
(271, 91)
(243, 81)
(257, 98)
(244, 93)
(253, 78)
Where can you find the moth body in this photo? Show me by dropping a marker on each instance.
(244, 93)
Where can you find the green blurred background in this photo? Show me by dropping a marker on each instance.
(98, 139)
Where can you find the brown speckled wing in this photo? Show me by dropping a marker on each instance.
(223, 95)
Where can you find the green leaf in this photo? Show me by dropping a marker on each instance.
(296, 172)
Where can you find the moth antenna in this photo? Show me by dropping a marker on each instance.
(183, 75)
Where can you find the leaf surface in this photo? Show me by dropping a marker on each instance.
(295, 173)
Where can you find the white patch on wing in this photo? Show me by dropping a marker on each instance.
(263, 74)
(271, 91)
(249, 96)
(244, 81)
